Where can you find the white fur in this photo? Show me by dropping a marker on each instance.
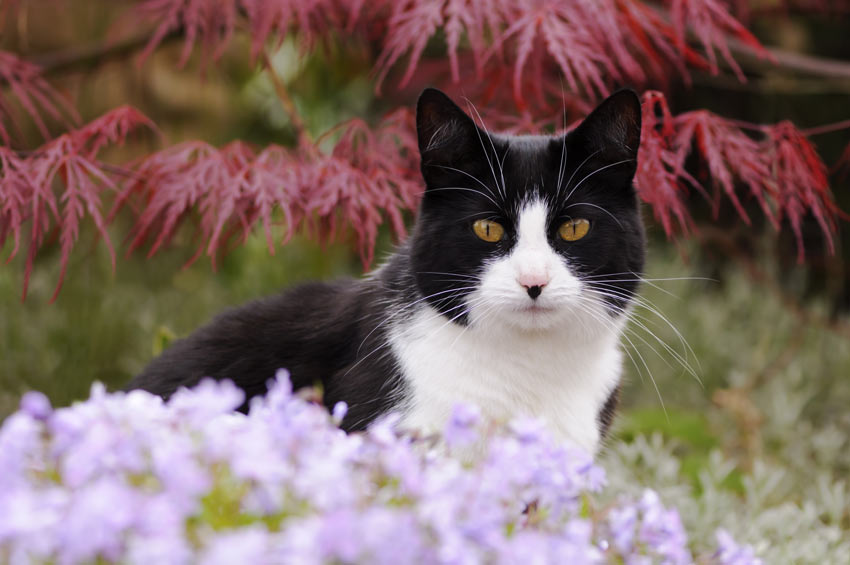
(556, 358)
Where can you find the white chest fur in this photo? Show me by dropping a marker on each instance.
(549, 374)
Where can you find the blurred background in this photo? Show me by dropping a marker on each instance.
(736, 350)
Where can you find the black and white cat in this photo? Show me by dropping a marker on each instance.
(511, 292)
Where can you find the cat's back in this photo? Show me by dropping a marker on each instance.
(309, 330)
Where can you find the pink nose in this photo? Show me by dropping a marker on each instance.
(529, 280)
(533, 284)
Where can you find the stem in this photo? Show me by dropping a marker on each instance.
(788, 60)
(92, 55)
(827, 128)
(287, 103)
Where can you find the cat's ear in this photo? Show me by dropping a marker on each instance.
(612, 130)
(447, 136)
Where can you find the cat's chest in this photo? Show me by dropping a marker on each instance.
(546, 375)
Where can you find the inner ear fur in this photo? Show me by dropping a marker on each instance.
(446, 134)
(613, 127)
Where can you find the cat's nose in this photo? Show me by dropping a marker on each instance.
(533, 284)
(534, 291)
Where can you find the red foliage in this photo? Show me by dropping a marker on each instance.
(730, 155)
(710, 21)
(661, 180)
(56, 186)
(24, 80)
(781, 170)
(592, 45)
(211, 23)
(369, 172)
(802, 185)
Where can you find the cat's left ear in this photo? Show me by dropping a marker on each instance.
(447, 135)
(612, 130)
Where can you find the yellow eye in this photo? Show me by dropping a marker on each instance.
(488, 230)
(574, 230)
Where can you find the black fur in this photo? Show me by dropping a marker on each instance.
(335, 333)
(606, 141)
(606, 415)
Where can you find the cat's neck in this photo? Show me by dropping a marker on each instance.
(558, 376)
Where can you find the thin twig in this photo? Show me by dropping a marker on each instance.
(827, 128)
(791, 61)
(287, 102)
(92, 55)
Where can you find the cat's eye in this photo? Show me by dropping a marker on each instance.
(488, 230)
(573, 230)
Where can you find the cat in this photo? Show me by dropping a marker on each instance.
(511, 293)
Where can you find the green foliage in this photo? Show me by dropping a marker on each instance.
(106, 326)
(761, 446)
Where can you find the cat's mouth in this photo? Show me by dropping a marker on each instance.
(535, 308)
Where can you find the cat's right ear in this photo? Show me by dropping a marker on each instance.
(447, 136)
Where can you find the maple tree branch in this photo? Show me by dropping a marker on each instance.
(92, 55)
(827, 128)
(789, 60)
(778, 58)
(287, 102)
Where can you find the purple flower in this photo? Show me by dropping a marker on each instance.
(36, 404)
(339, 412)
(662, 531)
(206, 400)
(96, 520)
(21, 449)
(622, 522)
(168, 548)
(460, 429)
(383, 430)
(128, 478)
(529, 430)
(246, 545)
(729, 552)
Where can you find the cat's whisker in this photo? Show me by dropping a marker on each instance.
(386, 344)
(648, 305)
(682, 360)
(493, 146)
(588, 310)
(653, 309)
(662, 279)
(577, 169)
(562, 164)
(462, 188)
(473, 177)
(613, 217)
(585, 305)
(676, 355)
(459, 275)
(599, 170)
(649, 373)
(482, 318)
(408, 307)
(490, 163)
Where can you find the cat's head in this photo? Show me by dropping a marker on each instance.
(529, 232)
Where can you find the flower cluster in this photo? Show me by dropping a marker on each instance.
(128, 478)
